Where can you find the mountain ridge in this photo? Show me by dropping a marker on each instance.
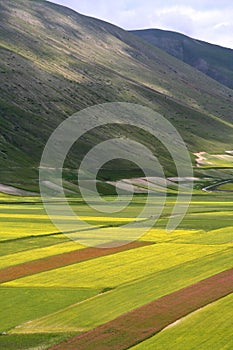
(55, 62)
(213, 60)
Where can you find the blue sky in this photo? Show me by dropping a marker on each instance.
(207, 20)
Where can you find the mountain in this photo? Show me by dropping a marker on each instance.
(55, 62)
(213, 60)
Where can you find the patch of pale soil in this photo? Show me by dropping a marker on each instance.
(127, 187)
(15, 191)
(55, 187)
(183, 179)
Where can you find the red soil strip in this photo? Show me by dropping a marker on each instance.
(60, 260)
(144, 322)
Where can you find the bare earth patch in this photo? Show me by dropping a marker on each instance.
(15, 191)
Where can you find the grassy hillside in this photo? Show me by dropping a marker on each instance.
(54, 62)
(213, 60)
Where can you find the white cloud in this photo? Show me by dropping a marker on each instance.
(203, 19)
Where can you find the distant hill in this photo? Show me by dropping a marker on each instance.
(54, 62)
(215, 61)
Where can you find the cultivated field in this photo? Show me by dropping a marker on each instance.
(203, 329)
(54, 289)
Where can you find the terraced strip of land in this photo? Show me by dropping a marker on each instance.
(60, 260)
(144, 322)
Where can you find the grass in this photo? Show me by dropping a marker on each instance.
(142, 323)
(129, 296)
(38, 253)
(20, 305)
(109, 286)
(226, 187)
(29, 219)
(120, 268)
(215, 237)
(18, 219)
(219, 236)
(66, 62)
(206, 160)
(203, 211)
(31, 341)
(203, 329)
(14, 246)
(16, 229)
(64, 72)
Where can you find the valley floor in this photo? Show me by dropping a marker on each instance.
(56, 291)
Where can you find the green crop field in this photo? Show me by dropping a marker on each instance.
(59, 279)
(203, 329)
(38, 253)
(226, 187)
(130, 295)
(22, 304)
(121, 268)
(49, 307)
(32, 341)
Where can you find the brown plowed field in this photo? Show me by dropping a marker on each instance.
(142, 323)
(60, 260)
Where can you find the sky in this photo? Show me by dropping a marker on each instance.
(208, 20)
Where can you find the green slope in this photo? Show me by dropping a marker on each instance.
(213, 60)
(54, 62)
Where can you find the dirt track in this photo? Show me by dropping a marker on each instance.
(142, 323)
(56, 261)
